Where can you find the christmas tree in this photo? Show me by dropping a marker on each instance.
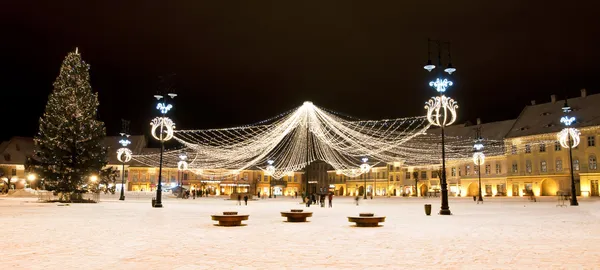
(68, 146)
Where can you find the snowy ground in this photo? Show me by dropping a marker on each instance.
(503, 233)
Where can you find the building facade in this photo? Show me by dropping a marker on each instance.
(532, 161)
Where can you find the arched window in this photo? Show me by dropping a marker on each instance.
(544, 166)
(593, 163)
(559, 167)
(528, 166)
(576, 164)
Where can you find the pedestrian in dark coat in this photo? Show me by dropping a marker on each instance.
(239, 199)
(246, 199)
(330, 198)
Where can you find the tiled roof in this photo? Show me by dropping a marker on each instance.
(545, 118)
(16, 150)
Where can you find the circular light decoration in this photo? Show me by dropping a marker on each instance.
(565, 134)
(441, 111)
(478, 158)
(364, 168)
(167, 128)
(124, 155)
(182, 165)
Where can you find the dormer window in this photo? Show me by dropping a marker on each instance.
(7, 157)
(546, 113)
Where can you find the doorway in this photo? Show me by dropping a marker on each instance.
(594, 188)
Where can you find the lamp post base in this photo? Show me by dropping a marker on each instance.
(157, 205)
(445, 212)
(480, 199)
(122, 198)
(574, 203)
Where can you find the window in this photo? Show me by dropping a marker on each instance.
(126, 173)
(265, 178)
(528, 148)
(488, 168)
(185, 176)
(434, 174)
(528, 166)
(593, 163)
(544, 166)
(576, 164)
(423, 174)
(591, 141)
(559, 167)
(7, 157)
(407, 176)
(513, 149)
(391, 167)
(556, 146)
(468, 170)
(453, 172)
(14, 171)
(459, 172)
(542, 148)
(498, 168)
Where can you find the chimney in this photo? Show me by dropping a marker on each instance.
(533, 102)
(479, 121)
(583, 92)
(553, 98)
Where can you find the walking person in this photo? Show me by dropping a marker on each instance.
(356, 199)
(258, 194)
(246, 199)
(194, 194)
(239, 199)
(330, 198)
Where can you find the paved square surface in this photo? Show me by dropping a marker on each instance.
(503, 233)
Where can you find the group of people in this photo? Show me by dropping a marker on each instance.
(240, 199)
(312, 199)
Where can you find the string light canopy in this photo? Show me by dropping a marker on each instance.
(284, 144)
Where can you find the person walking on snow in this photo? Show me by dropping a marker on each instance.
(330, 198)
(239, 199)
(246, 199)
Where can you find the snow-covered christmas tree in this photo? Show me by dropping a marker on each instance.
(68, 146)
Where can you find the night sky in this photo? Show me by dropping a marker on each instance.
(241, 62)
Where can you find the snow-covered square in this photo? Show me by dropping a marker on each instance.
(503, 233)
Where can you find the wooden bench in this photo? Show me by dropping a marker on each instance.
(230, 219)
(366, 220)
(296, 215)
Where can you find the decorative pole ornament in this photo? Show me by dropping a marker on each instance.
(124, 155)
(441, 110)
(166, 126)
(365, 168)
(569, 137)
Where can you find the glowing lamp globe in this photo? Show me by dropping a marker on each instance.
(429, 66)
(569, 134)
(450, 69)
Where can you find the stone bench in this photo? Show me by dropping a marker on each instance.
(296, 215)
(229, 219)
(366, 220)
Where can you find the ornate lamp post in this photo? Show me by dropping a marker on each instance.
(441, 111)
(569, 138)
(165, 127)
(182, 165)
(124, 156)
(269, 172)
(365, 168)
(479, 158)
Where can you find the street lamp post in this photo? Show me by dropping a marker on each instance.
(165, 127)
(124, 156)
(365, 168)
(441, 111)
(569, 138)
(479, 158)
(182, 165)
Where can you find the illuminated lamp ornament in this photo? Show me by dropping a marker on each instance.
(182, 165)
(478, 158)
(163, 107)
(124, 155)
(166, 125)
(364, 168)
(441, 111)
(441, 85)
(270, 169)
(565, 134)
